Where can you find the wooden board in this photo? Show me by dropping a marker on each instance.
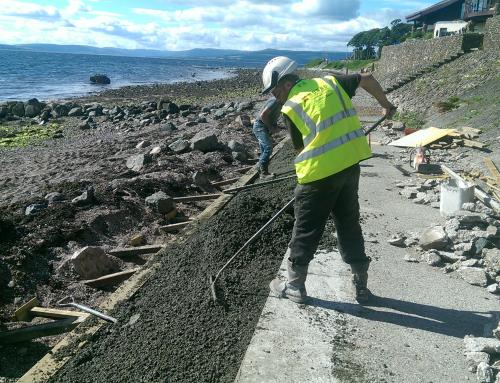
(37, 331)
(474, 144)
(110, 279)
(226, 182)
(132, 251)
(46, 312)
(23, 313)
(193, 198)
(174, 227)
(421, 137)
(490, 165)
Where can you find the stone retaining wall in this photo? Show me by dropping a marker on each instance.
(399, 61)
(492, 33)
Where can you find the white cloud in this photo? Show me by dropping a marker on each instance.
(335, 9)
(235, 24)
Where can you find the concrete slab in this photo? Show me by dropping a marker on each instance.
(293, 343)
(412, 330)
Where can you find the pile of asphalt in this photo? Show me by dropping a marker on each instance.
(171, 330)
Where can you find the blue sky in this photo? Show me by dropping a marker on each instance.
(323, 25)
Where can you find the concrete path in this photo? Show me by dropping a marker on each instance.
(413, 329)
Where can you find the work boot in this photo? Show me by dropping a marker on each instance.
(294, 288)
(360, 281)
(264, 173)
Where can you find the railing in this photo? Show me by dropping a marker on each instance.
(479, 8)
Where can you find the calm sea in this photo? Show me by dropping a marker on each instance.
(51, 76)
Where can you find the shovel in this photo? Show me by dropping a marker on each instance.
(70, 301)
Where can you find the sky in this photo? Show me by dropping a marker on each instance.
(317, 25)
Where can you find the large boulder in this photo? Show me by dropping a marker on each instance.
(59, 110)
(205, 141)
(100, 79)
(4, 111)
(76, 111)
(92, 262)
(18, 109)
(32, 108)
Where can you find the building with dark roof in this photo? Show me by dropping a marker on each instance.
(476, 11)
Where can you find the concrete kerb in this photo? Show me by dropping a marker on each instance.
(46, 367)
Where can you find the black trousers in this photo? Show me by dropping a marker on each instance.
(314, 202)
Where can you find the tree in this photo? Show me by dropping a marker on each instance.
(364, 43)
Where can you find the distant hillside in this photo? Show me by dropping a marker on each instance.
(302, 57)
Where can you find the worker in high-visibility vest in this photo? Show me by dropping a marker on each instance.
(327, 133)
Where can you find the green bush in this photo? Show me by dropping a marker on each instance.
(449, 104)
(412, 120)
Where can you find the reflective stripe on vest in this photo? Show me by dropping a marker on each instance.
(316, 128)
(333, 143)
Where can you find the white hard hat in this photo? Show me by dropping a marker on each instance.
(275, 69)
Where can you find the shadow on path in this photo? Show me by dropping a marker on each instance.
(456, 323)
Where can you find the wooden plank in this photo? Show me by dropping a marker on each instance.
(193, 198)
(23, 313)
(421, 137)
(490, 165)
(226, 182)
(245, 169)
(172, 228)
(474, 144)
(46, 312)
(110, 279)
(123, 252)
(41, 330)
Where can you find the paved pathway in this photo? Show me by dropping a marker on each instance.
(411, 332)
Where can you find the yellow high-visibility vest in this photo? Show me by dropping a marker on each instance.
(330, 128)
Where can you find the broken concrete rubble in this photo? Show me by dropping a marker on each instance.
(473, 275)
(434, 238)
(474, 358)
(484, 373)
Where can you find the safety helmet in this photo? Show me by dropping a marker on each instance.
(274, 70)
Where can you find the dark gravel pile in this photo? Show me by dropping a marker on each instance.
(171, 330)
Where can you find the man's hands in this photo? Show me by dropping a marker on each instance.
(389, 111)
